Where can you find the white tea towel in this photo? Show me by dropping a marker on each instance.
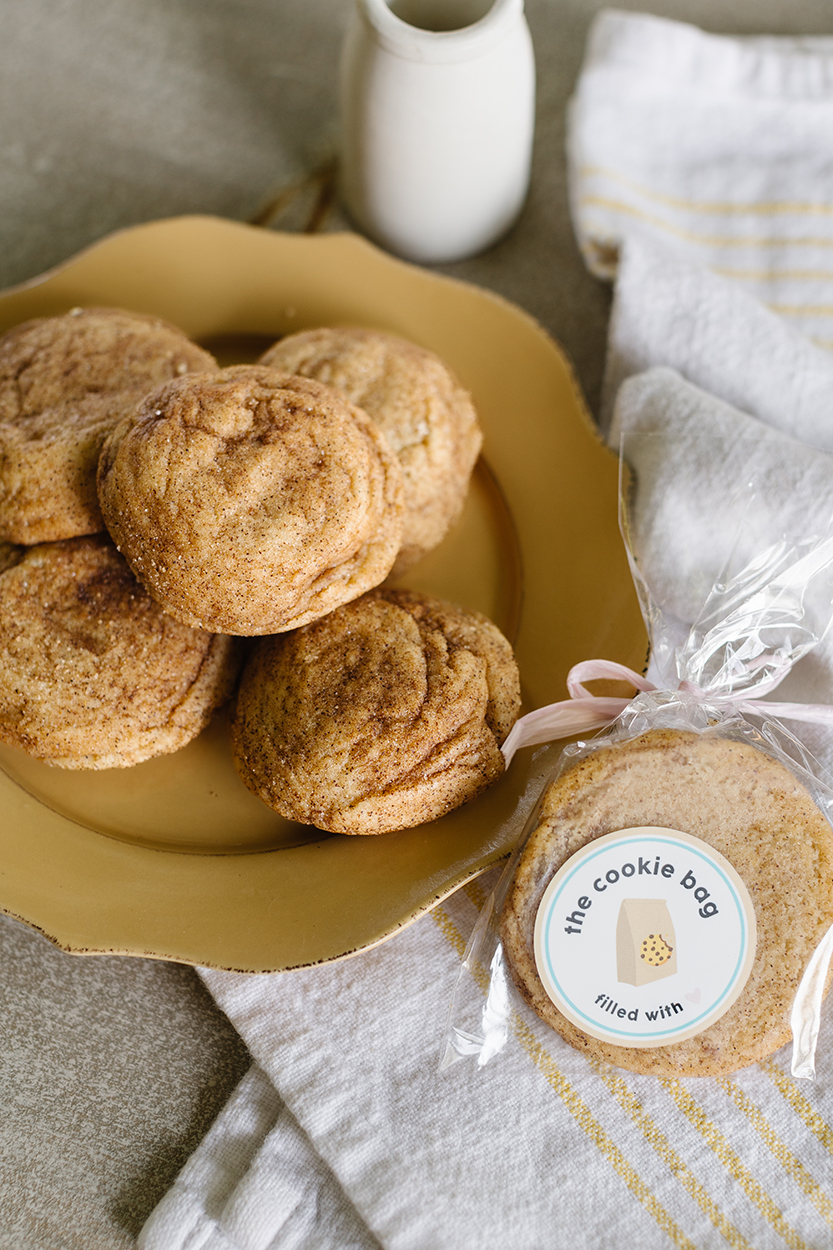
(256, 1182)
(538, 1150)
(541, 1148)
(719, 147)
(720, 337)
(714, 487)
(666, 311)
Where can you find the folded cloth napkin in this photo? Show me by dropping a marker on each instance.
(720, 337)
(727, 344)
(346, 1133)
(736, 485)
(538, 1149)
(720, 147)
(256, 1181)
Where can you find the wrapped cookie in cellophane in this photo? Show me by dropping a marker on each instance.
(669, 905)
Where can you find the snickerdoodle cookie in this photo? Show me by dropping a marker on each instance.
(387, 713)
(735, 799)
(93, 674)
(426, 416)
(64, 384)
(251, 501)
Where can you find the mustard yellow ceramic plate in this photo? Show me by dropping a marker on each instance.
(174, 858)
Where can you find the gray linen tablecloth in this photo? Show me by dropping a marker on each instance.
(120, 111)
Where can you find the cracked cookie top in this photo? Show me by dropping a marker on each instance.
(387, 713)
(65, 382)
(251, 501)
(93, 674)
(423, 411)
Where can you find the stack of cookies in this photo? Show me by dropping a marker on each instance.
(155, 508)
(93, 672)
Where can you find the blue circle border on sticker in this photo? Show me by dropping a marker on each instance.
(737, 892)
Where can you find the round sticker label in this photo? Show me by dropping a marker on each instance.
(644, 937)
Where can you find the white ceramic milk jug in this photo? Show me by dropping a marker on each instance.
(438, 100)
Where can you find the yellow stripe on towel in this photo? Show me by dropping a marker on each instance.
(579, 1109)
(654, 1135)
(730, 1160)
(790, 1092)
(629, 1102)
(763, 208)
(782, 1153)
(691, 236)
(771, 274)
(802, 310)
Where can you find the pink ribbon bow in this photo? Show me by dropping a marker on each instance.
(584, 711)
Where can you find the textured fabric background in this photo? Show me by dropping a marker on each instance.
(119, 111)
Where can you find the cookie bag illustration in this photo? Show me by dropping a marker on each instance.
(645, 941)
(668, 907)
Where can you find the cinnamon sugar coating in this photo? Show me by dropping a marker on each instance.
(251, 501)
(423, 411)
(387, 713)
(93, 674)
(65, 382)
